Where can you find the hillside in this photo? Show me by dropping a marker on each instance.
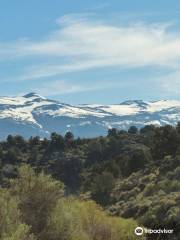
(132, 174)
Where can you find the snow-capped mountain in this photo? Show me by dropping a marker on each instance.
(31, 115)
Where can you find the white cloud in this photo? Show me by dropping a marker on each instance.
(81, 44)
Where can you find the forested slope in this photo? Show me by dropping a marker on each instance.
(133, 174)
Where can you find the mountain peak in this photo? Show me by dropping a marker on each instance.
(32, 95)
(140, 103)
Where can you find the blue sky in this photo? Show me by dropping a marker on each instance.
(90, 51)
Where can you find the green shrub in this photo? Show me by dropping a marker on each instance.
(11, 226)
(73, 219)
(37, 195)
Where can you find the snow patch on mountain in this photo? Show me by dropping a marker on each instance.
(162, 105)
(72, 111)
(121, 110)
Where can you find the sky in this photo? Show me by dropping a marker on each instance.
(90, 51)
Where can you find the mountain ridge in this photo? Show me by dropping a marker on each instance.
(32, 114)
